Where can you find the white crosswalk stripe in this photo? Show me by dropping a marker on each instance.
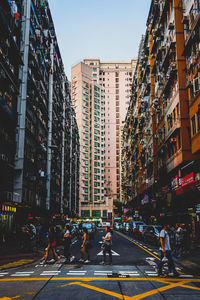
(50, 273)
(122, 273)
(3, 274)
(75, 272)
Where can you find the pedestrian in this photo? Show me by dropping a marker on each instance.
(51, 244)
(2, 238)
(166, 253)
(107, 244)
(67, 244)
(189, 238)
(179, 240)
(85, 246)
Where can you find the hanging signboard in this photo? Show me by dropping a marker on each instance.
(175, 183)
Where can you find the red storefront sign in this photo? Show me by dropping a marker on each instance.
(189, 178)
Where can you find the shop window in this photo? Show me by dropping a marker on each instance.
(105, 213)
(96, 213)
(85, 213)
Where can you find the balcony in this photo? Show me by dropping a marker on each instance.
(174, 161)
(175, 127)
(193, 32)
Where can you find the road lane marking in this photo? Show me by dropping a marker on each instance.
(13, 275)
(103, 291)
(17, 263)
(76, 274)
(76, 271)
(156, 291)
(25, 272)
(112, 251)
(138, 245)
(169, 285)
(50, 273)
(103, 271)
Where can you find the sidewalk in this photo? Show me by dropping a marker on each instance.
(14, 257)
(191, 261)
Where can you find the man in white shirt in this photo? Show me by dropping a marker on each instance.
(167, 252)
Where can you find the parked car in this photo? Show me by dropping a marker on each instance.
(104, 224)
(151, 234)
(90, 229)
(134, 227)
(140, 231)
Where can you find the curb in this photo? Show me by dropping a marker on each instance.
(20, 261)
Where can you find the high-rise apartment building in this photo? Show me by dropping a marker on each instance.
(88, 102)
(116, 79)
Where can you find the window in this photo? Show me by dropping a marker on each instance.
(197, 6)
(85, 213)
(196, 84)
(194, 129)
(192, 16)
(198, 119)
(177, 110)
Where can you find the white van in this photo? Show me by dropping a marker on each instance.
(104, 224)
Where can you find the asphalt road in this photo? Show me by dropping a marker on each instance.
(132, 276)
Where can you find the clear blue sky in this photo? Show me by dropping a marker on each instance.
(106, 29)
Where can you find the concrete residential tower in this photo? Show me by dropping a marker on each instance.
(116, 80)
(88, 103)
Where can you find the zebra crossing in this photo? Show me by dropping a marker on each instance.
(95, 272)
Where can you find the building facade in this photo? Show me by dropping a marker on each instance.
(115, 78)
(88, 103)
(161, 132)
(36, 114)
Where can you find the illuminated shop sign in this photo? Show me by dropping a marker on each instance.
(8, 208)
(178, 182)
(189, 178)
(175, 183)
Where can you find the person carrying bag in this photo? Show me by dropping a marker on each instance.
(166, 253)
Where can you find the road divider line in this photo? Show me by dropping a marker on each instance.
(143, 248)
(163, 280)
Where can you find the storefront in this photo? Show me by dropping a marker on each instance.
(7, 214)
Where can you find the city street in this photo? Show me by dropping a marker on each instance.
(132, 276)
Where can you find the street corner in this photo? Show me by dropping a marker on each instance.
(19, 260)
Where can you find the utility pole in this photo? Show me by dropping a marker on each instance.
(21, 106)
(63, 149)
(50, 106)
(70, 171)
